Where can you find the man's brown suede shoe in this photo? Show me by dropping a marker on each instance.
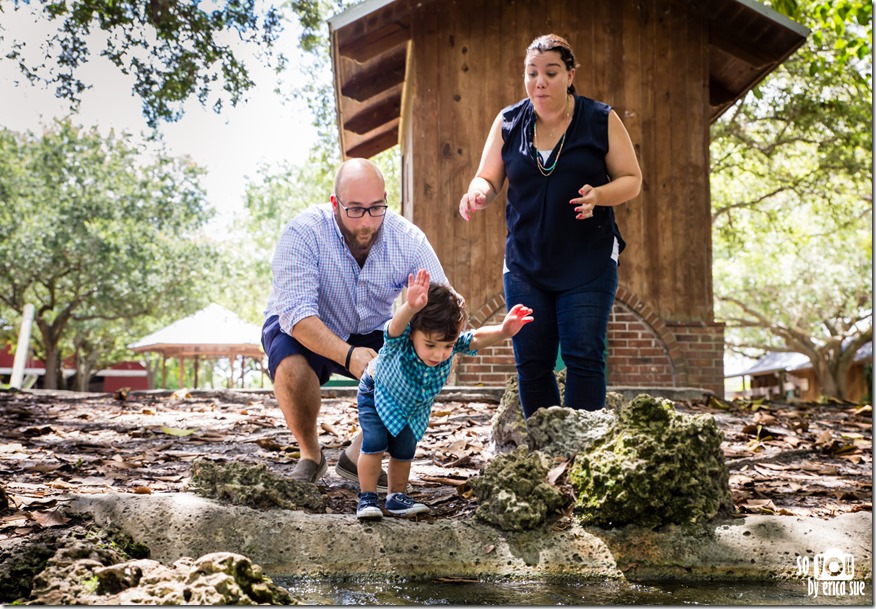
(348, 470)
(307, 470)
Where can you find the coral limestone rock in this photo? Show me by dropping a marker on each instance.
(562, 432)
(221, 578)
(657, 466)
(508, 426)
(514, 493)
(254, 486)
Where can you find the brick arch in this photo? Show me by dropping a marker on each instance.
(643, 351)
(634, 334)
(491, 366)
(493, 305)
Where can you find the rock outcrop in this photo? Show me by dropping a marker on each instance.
(85, 575)
(514, 493)
(640, 463)
(656, 466)
(254, 486)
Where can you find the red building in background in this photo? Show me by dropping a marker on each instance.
(123, 374)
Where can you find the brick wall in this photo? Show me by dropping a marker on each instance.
(643, 350)
(637, 355)
(492, 366)
(702, 346)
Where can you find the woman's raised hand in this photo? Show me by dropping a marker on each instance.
(471, 202)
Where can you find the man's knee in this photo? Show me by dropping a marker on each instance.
(294, 379)
(291, 368)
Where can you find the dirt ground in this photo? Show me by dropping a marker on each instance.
(798, 459)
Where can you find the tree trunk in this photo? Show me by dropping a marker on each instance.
(827, 379)
(53, 367)
(51, 336)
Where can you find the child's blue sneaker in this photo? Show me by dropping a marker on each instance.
(368, 508)
(400, 504)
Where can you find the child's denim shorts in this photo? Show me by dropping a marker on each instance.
(376, 438)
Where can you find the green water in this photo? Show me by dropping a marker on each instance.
(566, 593)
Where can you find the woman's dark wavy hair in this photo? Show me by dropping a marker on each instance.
(552, 42)
(444, 315)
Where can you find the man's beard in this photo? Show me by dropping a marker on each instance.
(360, 241)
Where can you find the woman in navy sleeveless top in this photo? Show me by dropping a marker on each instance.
(568, 160)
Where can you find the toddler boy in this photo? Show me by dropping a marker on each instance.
(398, 387)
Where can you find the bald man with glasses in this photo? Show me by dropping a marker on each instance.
(337, 270)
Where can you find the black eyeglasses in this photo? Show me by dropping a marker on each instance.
(359, 212)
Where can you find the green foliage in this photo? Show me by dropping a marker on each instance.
(792, 198)
(173, 50)
(99, 236)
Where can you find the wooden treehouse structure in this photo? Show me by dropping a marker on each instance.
(430, 76)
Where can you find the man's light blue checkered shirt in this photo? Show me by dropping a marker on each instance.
(405, 387)
(316, 275)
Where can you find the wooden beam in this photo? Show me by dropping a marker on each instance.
(718, 94)
(375, 145)
(754, 55)
(373, 116)
(378, 76)
(361, 47)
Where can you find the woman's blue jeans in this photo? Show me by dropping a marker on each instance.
(576, 321)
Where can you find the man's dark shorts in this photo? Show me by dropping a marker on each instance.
(278, 345)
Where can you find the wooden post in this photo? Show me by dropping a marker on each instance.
(22, 350)
(242, 371)
(164, 371)
(196, 371)
(181, 379)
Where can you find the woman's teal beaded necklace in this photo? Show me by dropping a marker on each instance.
(546, 171)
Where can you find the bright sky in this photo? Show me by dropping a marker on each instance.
(266, 129)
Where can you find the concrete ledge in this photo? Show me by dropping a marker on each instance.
(330, 546)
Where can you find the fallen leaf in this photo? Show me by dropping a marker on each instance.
(173, 431)
(741, 480)
(445, 480)
(463, 460)
(776, 466)
(44, 468)
(716, 403)
(141, 490)
(49, 519)
(329, 428)
(764, 418)
(556, 472)
(269, 444)
(760, 506)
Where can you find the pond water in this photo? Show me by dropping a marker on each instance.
(570, 593)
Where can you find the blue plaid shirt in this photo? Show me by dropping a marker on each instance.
(405, 387)
(316, 275)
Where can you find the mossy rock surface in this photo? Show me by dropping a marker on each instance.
(513, 491)
(81, 575)
(254, 486)
(657, 466)
(562, 432)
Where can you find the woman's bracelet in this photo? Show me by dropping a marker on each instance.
(349, 355)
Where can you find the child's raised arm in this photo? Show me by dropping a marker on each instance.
(416, 298)
(486, 336)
